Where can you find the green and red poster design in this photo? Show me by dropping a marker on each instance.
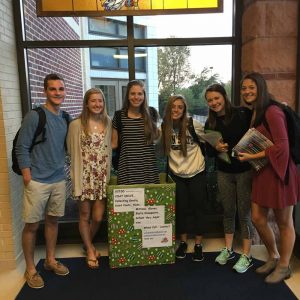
(141, 224)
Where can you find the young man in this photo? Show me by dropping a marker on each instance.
(44, 179)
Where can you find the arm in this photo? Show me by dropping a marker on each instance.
(114, 138)
(116, 123)
(24, 142)
(221, 146)
(26, 173)
(278, 154)
(72, 137)
(243, 156)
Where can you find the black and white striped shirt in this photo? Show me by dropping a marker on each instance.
(137, 163)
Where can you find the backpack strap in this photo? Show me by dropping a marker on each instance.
(193, 133)
(40, 128)
(67, 118)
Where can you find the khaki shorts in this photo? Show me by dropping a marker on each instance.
(42, 199)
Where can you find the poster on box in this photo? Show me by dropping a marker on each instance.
(127, 199)
(148, 215)
(157, 236)
(141, 224)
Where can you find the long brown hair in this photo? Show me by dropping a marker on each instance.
(212, 115)
(167, 127)
(85, 114)
(263, 97)
(150, 127)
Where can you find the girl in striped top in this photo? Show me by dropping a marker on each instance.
(137, 163)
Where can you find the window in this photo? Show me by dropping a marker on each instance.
(116, 58)
(97, 52)
(104, 58)
(113, 28)
(107, 27)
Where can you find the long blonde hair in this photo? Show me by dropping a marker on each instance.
(85, 114)
(150, 127)
(167, 126)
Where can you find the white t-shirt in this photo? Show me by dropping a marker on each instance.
(194, 162)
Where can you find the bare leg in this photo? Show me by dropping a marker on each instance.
(84, 227)
(98, 209)
(246, 247)
(284, 220)
(228, 240)
(28, 244)
(51, 230)
(260, 221)
(183, 237)
(198, 239)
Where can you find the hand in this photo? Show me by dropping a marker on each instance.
(26, 175)
(243, 156)
(221, 146)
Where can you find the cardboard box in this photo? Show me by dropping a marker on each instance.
(141, 223)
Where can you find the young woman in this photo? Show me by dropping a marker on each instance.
(137, 162)
(89, 146)
(234, 178)
(186, 167)
(269, 188)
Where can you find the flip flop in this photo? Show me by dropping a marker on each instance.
(92, 263)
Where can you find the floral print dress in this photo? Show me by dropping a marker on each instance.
(95, 161)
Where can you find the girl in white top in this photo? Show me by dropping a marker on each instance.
(186, 164)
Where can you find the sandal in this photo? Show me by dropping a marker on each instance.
(92, 263)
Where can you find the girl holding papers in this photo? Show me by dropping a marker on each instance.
(234, 178)
(270, 189)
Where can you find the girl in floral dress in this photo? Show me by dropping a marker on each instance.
(89, 146)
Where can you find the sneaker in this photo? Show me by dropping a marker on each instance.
(198, 254)
(35, 281)
(243, 264)
(181, 250)
(58, 268)
(224, 256)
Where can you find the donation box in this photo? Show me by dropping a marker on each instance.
(141, 223)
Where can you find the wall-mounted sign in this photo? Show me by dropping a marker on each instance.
(52, 8)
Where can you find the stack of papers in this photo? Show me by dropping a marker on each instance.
(253, 142)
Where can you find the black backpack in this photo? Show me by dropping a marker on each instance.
(293, 130)
(40, 130)
(116, 152)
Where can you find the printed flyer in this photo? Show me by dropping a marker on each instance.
(141, 224)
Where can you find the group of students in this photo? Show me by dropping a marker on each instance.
(92, 136)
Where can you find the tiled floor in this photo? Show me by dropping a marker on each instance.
(12, 281)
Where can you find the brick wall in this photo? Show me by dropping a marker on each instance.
(270, 47)
(66, 62)
(41, 61)
(270, 44)
(10, 118)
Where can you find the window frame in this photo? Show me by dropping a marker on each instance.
(130, 43)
